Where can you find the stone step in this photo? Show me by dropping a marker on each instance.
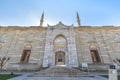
(59, 72)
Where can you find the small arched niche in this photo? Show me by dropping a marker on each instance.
(60, 41)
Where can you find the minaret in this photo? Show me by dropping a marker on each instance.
(78, 20)
(42, 19)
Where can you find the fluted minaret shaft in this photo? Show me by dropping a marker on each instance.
(78, 20)
(42, 19)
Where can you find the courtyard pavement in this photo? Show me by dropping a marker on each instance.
(25, 74)
(58, 78)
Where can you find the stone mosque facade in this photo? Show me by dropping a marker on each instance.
(35, 47)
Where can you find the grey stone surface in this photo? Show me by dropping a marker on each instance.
(58, 73)
(61, 78)
(113, 74)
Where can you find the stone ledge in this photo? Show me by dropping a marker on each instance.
(23, 66)
(97, 67)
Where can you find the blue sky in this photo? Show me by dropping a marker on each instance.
(28, 12)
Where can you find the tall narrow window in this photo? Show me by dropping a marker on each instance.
(26, 54)
(94, 54)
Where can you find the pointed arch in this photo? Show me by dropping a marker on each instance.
(61, 35)
(60, 41)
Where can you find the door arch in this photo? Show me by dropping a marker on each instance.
(60, 58)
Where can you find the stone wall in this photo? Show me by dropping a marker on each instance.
(107, 40)
(14, 40)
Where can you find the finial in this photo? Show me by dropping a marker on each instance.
(78, 20)
(42, 19)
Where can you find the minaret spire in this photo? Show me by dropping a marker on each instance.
(78, 20)
(42, 19)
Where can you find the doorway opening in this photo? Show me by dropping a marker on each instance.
(60, 58)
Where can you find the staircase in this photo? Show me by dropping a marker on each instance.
(60, 72)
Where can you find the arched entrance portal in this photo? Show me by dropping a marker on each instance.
(60, 58)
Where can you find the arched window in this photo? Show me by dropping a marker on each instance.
(94, 54)
(60, 42)
(26, 54)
